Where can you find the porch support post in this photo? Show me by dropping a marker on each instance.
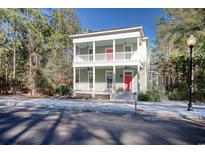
(114, 78)
(74, 52)
(74, 78)
(94, 51)
(93, 92)
(113, 49)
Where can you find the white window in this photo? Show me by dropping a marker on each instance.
(128, 51)
(128, 48)
(90, 79)
(109, 79)
(90, 53)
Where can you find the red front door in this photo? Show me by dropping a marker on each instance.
(109, 53)
(128, 81)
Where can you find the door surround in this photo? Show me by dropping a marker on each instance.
(108, 55)
(124, 71)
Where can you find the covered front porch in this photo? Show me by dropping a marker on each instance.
(104, 80)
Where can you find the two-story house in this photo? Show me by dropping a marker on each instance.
(110, 61)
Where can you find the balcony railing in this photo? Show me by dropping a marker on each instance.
(105, 57)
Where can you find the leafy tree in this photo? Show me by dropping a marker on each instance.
(58, 69)
(173, 29)
(35, 49)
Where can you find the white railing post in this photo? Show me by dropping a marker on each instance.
(74, 52)
(113, 50)
(94, 51)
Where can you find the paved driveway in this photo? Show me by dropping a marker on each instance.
(30, 125)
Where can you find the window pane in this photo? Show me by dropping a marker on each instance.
(109, 80)
(90, 51)
(128, 48)
(90, 79)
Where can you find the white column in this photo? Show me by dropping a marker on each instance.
(93, 51)
(113, 49)
(93, 92)
(74, 52)
(74, 78)
(93, 78)
(114, 78)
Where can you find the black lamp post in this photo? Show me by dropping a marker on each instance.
(190, 42)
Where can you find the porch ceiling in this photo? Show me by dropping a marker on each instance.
(109, 42)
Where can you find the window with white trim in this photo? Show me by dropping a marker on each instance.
(128, 51)
(90, 53)
(90, 79)
(109, 79)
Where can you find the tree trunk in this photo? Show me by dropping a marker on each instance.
(1, 76)
(30, 75)
(6, 83)
(14, 61)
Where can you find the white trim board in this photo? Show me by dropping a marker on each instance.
(107, 37)
(108, 63)
(119, 30)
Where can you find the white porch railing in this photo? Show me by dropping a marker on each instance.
(84, 58)
(84, 86)
(106, 56)
(124, 55)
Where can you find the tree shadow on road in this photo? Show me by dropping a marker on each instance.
(93, 128)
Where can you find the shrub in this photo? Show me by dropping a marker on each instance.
(119, 90)
(180, 92)
(143, 97)
(43, 86)
(63, 90)
(155, 94)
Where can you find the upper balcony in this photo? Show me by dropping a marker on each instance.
(105, 57)
(108, 51)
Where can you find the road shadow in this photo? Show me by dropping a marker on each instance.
(40, 126)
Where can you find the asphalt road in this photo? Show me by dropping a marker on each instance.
(21, 125)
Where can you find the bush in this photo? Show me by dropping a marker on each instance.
(155, 95)
(180, 92)
(119, 90)
(43, 86)
(63, 90)
(143, 97)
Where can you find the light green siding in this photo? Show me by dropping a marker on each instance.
(83, 75)
(101, 49)
(119, 79)
(100, 83)
(100, 75)
(119, 48)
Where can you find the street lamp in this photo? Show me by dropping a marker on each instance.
(190, 42)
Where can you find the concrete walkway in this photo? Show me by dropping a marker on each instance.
(169, 109)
